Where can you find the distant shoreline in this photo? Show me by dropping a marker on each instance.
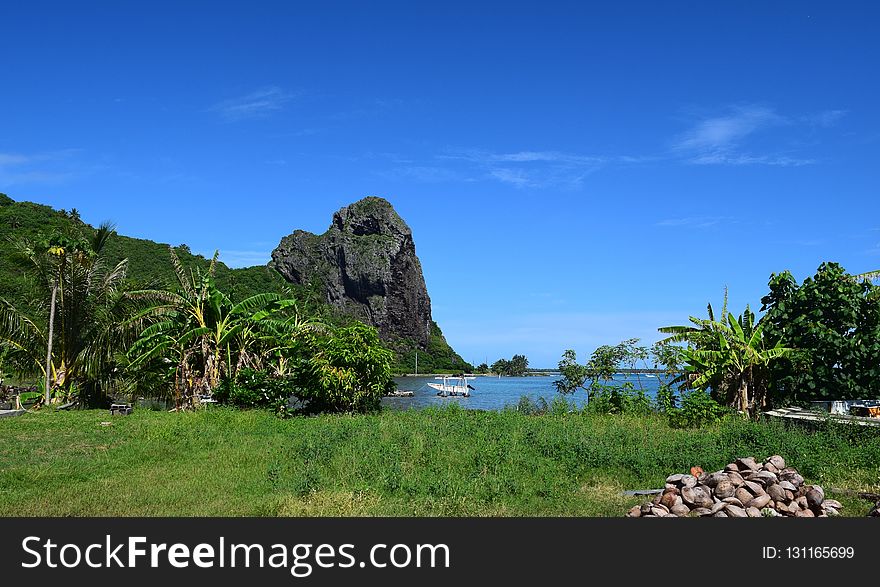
(541, 373)
(530, 374)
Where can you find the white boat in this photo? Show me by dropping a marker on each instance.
(453, 386)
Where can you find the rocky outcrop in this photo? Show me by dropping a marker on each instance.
(366, 266)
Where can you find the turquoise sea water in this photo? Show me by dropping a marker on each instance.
(493, 393)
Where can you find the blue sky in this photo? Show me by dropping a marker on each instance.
(574, 173)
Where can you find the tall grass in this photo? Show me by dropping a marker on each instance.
(435, 462)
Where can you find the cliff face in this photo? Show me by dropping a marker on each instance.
(367, 266)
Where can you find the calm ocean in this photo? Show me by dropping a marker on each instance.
(492, 393)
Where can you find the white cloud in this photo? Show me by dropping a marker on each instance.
(557, 157)
(696, 221)
(745, 159)
(10, 159)
(715, 140)
(521, 169)
(724, 132)
(49, 167)
(554, 157)
(825, 118)
(529, 169)
(730, 139)
(423, 173)
(257, 104)
(514, 177)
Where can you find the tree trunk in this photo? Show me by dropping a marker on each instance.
(744, 396)
(51, 336)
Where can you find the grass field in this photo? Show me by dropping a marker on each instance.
(449, 462)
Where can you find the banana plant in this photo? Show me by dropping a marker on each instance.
(701, 333)
(202, 337)
(737, 369)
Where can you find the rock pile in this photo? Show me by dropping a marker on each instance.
(744, 489)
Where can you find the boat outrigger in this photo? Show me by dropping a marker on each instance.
(453, 386)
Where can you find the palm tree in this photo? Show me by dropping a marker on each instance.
(869, 276)
(84, 300)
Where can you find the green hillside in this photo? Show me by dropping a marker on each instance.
(148, 261)
(149, 265)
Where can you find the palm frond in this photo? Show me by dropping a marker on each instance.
(184, 281)
(102, 235)
(213, 267)
(869, 276)
(169, 298)
(25, 340)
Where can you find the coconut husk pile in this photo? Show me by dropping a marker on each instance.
(744, 489)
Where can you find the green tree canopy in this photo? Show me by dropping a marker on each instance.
(76, 310)
(347, 371)
(513, 367)
(833, 319)
(605, 361)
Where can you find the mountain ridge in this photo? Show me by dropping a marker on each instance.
(149, 265)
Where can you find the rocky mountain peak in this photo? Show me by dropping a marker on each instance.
(367, 267)
(371, 215)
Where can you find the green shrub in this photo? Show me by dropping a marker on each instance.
(347, 371)
(697, 409)
(530, 407)
(560, 406)
(255, 389)
(614, 399)
(665, 401)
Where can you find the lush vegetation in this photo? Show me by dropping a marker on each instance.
(73, 351)
(148, 267)
(439, 357)
(348, 371)
(90, 314)
(833, 320)
(340, 370)
(87, 331)
(730, 356)
(136, 319)
(451, 462)
(147, 261)
(682, 408)
(516, 366)
(819, 340)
